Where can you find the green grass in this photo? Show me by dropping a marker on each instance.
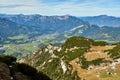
(21, 50)
(18, 37)
(105, 75)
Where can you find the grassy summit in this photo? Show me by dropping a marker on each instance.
(78, 42)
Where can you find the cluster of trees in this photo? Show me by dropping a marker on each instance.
(7, 59)
(78, 42)
(82, 42)
(100, 43)
(115, 52)
(55, 71)
(29, 71)
(85, 63)
(70, 55)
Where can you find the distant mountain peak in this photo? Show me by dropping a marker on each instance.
(62, 17)
(103, 20)
(103, 15)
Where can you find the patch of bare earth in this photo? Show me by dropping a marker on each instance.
(82, 73)
(101, 48)
(97, 72)
(96, 52)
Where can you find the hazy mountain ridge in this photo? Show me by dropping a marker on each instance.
(109, 34)
(46, 23)
(103, 20)
(9, 28)
(19, 33)
(36, 25)
(97, 33)
(26, 33)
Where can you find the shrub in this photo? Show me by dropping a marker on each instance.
(29, 71)
(7, 59)
(100, 43)
(76, 53)
(78, 42)
(85, 63)
(41, 76)
(26, 69)
(115, 52)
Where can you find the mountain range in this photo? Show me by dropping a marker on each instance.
(37, 25)
(95, 32)
(21, 34)
(103, 20)
(34, 25)
(46, 23)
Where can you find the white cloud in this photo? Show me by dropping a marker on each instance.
(73, 7)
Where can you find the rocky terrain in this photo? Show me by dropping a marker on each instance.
(79, 58)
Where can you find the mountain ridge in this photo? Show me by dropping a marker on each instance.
(103, 20)
(79, 58)
(34, 31)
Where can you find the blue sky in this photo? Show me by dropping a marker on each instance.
(61, 7)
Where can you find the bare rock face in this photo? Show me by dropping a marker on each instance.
(4, 72)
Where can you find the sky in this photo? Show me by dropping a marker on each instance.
(61, 7)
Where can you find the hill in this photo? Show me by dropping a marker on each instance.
(78, 58)
(109, 34)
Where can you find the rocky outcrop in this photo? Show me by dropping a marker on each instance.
(11, 70)
(4, 71)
